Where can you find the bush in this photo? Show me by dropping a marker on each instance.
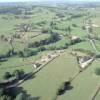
(41, 49)
(1, 91)
(97, 71)
(52, 47)
(27, 53)
(44, 30)
(74, 25)
(7, 75)
(19, 74)
(52, 39)
(64, 86)
(83, 27)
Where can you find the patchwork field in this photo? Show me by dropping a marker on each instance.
(37, 32)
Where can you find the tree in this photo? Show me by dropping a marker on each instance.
(21, 96)
(54, 37)
(63, 87)
(1, 91)
(16, 73)
(69, 30)
(2, 37)
(7, 75)
(74, 25)
(41, 48)
(19, 74)
(97, 71)
(11, 43)
(44, 30)
(24, 27)
(21, 54)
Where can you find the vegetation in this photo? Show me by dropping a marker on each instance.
(97, 71)
(29, 33)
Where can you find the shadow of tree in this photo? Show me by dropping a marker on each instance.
(30, 76)
(61, 92)
(27, 96)
(3, 60)
(34, 98)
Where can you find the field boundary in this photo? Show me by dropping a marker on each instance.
(96, 92)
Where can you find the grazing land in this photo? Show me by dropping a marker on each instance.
(30, 34)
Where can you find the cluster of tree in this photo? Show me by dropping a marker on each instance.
(24, 27)
(11, 10)
(18, 74)
(6, 94)
(64, 86)
(14, 94)
(53, 38)
(27, 53)
(9, 53)
(60, 15)
(30, 52)
(3, 38)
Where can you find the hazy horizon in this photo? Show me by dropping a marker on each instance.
(48, 0)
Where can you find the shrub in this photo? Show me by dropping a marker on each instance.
(18, 74)
(83, 27)
(52, 47)
(54, 37)
(44, 30)
(74, 25)
(1, 91)
(7, 75)
(27, 53)
(41, 49)
(63, 87)
(97, 71)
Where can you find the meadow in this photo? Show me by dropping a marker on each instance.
(45, 83)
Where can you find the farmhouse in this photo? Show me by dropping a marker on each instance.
(36, 65)
(85, 61)
(45, 59)
(75, 39)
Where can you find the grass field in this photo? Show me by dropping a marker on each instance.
(46, 82)
(59, 70)
(84, 85)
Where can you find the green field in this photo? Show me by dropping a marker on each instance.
(59, 70)
(84, 85)
(45, 83)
